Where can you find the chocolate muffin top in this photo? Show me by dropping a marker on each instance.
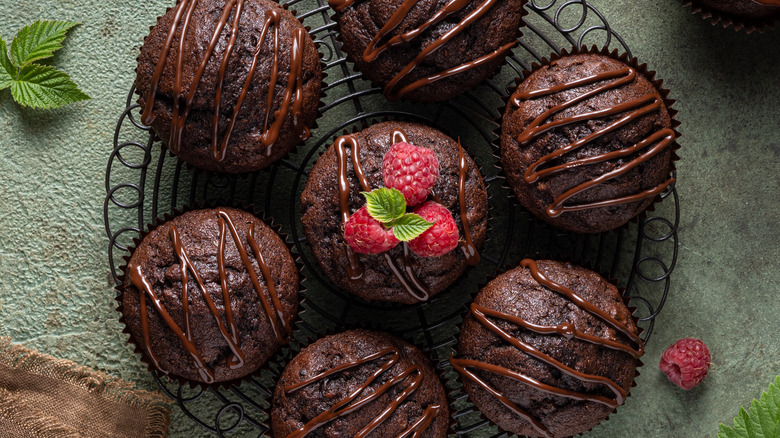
(229, 86)
(587, 142)
(397, 275)
(428, 50)
(210, 295)
(751, 9)
(359, 383)
(548, 349)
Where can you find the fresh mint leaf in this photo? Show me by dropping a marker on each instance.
(385, 205)
(7, 69)
(763, 421)
(39, 41)
(42, 86)
(409, 226)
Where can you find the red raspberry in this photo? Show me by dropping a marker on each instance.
(439, 239)
(367, 235)
(686, 362)
(412, 170)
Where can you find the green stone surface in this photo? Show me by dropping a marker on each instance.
(56, 291)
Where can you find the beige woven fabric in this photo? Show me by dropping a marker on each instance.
(45, 397)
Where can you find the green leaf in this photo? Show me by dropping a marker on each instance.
(39, 41)
(7, 69)
(763, 421)
(385, 205)
(42, 86)
(409, 226)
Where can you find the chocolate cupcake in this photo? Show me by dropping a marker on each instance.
(748, 14)
(549, 349)
(359, 383)
(229, 86)
(588, 141)
(209, 295)
(333, 193)
(428, 50)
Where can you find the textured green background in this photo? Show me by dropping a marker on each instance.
(55, 291)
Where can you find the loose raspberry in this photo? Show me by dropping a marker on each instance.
(686, 362)
(367, 235)
(412, 170)
(439, 239)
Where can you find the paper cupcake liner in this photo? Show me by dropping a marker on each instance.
(455, 379)
(381, 87)
(138, 349)
(726, 20)
(323, 94)
(633, 62)
(365, 123)
(308, 335)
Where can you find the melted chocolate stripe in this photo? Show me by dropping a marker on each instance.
(469, 250)
(220, 81)
(374, 49)
(462, 367)
(638, 107)
(473, 16)
(576, 299)
(346, 405)
(620, 394)
(271, 16)
(280, 336)
(185, 267)
(294, 83)
(404, 274)
(143, 285)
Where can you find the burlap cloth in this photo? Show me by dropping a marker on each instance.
(45, 397)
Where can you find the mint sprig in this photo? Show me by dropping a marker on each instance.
(35, 85)
(763, 421)
(389, 207)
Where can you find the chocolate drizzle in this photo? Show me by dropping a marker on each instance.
(467, 245)
(634, 109)
(281, 328)
(393, 89)
(414, 374)
(568, 331)
(271, 130)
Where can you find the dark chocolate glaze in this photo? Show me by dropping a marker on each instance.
(566, 330)
(412, 374)
(653, 145)
(393, 90)
(294, 86)
(279, 324)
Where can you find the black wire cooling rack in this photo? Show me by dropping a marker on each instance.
(143, 181)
